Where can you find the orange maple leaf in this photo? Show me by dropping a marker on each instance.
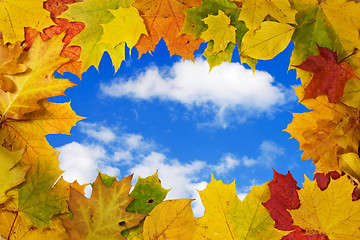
(165, 19)
(329, 77)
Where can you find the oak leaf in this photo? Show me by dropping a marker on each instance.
(226, 217)
(165, 19)
(38, 82)
(329, 76)
(219, 30)
(254, 12)
(16, 15)
(11, 173)
(171, 219)
(326, 132)
(104, 215)
(330, 212)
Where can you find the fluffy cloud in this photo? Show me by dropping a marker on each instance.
(227, 163)
(230, 90)
(99, 133)
(269, 151)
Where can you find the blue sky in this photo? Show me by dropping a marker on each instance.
(161, 113)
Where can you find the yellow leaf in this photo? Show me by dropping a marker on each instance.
(104, 215)
(52, 118)
(11, 174)
(326, 132)
(170, 220)
(219, 30)
(331, 212)
(126, 27)
(350, 164)
(254, 12)
(38, 82)
(267, 41)
(226, 217)
(15, 15)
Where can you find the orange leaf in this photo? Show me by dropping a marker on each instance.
(165, 19)
(329, 75)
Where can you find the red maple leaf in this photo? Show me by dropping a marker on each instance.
(329, 77)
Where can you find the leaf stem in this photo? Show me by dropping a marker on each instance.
(355, 50)
(11, 229)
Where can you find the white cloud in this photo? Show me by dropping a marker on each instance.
(82, 162)
(227, 163)
(229, 90)
(97, 132)
(269, 151)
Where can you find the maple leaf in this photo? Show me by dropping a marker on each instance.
(15, 15)
(38, 82)
(52, 118)
(171, 219)
(9, 64)
(321, 24)
(226, 217)
(326, 132)
(329, 75)
(147, 193)
(351, 95)
(11, 174)
(323, 180)
(217, 58)
(104, 215)
(350, 164)
(165, 19)
(126, 27)
(94, 13)
(219, 30)
(330, 212)
(254, 12)
(267, 41)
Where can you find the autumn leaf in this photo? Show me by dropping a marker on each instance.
(323, 180)
(219, 30)
(326, 132)
(9, 64)
(94, 13)
(38, 82)
(321, 24)
(330, 212)
(217, 58)
(254, 12)
(11, 173)
(147, 193)
(16, 15)
(267, 41)
(52, 118)
(104, 215)
(350, 164)
(329, 76)
(165, 19)
(171, 219)
(127, 27)
(226, 217)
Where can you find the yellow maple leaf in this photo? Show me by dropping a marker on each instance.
(15, 15)
(226, 217)
(171, 219)
(52, 118)
(104, 215)
(331, 212)
(326, 132)
(9, 64)
(267, 41)
(10, 174)
(254, 12)
(219, 30)
(38, 82)
(126, 27)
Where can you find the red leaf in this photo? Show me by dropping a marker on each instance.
(329, 75)
(324, 180)
(283, 196)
